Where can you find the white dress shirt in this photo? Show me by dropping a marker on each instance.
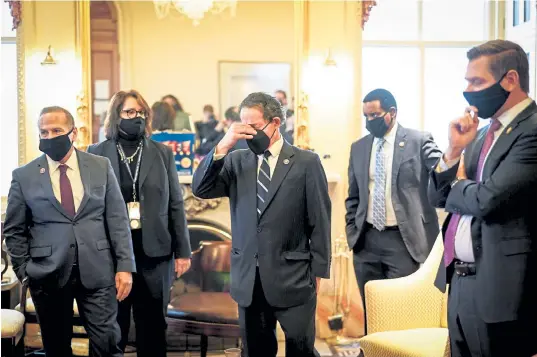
(387, 150)
(274, 150)
(463, 238)
(73, 173)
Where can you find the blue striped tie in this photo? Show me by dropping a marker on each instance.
(379, 192)
(263, 183)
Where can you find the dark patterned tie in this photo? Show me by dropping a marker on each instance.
(451, 231)
(263, 183)
(66, 191)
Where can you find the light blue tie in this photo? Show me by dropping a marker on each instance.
(379, 192)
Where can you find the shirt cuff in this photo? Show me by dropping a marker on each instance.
(217, 157)
(444, 166)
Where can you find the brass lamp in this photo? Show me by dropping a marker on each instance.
(48, 59)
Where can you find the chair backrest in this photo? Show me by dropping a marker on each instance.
(428, 272)
(430, 267)
(211, 266)
(5, 259)
(216, 257)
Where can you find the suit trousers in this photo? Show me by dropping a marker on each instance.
(258, 326)
(97, 308)
(470, 336)
(148, 301)
(383, 255)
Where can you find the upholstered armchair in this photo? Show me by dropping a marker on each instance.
(12, 321)
(407, 317)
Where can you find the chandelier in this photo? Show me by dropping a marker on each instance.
(194, 9)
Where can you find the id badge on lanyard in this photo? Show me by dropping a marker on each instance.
(133, 207)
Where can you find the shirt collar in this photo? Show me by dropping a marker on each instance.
(276, 148)
(72, 162)
(509, 115)
(390, 137)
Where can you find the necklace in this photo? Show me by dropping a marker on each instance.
(130, 159)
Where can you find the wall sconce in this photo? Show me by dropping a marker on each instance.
(48, 59)
(330, 61)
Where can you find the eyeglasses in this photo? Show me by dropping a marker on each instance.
(132, 113)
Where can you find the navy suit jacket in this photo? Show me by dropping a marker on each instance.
(504, 224)
(41, 236)
(290, 240)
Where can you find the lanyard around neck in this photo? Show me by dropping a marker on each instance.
(125, 160)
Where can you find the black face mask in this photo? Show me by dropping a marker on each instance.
(489, 100)
(56, 148)
(132, 129)
(377, 126)
(260, 142)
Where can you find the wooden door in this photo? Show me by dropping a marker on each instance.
(104, 61)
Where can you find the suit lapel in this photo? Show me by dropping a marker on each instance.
(362, 170)
(399, 146)
(85, 173)
(148, 157)
(46, 184)
(110, 151)
(506, 140)
(283, 165)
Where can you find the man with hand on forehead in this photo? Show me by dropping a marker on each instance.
(280, 216)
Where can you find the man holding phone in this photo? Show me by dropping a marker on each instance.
(490, 237)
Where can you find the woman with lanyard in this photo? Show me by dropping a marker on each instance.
(149, 183)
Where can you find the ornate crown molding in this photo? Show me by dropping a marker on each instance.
(367, 5)
(16, 12)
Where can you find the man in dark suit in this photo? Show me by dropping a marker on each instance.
(280, 216)
(487, 181)
(391, 226)
(287, 127)
(68, 236)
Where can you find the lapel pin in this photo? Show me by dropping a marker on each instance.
(402, 144)
(509, 130)
(42, 171)
(286, 161)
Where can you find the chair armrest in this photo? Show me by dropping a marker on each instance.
(403, 303)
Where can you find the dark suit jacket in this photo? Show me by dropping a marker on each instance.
(415, 155)
(504, 227)
(291, 240)
(164, 227)
(41, 236)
